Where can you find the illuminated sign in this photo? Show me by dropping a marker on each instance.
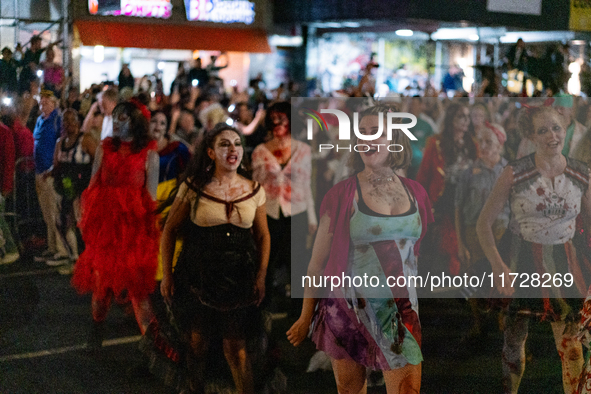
(141, 8)
(221, 11)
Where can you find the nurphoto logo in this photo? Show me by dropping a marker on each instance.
(345, 129)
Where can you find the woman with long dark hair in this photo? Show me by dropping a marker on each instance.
(283, 165)
(119, 222)
(220, 275)
(446, 156)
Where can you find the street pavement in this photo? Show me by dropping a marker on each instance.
(44, 324)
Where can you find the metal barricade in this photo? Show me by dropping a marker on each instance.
(24, 205)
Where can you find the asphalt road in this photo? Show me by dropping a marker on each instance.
(44, 325)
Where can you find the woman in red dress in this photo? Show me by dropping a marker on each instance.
(119, 222)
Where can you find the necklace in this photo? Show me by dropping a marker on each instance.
(381, 179)
(387, 179)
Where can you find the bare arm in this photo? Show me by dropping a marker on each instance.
(55, 164)
(98, 158)
(586, 212)
(152, 173)
(248, 130)
(89, 144)
(493, 207)
(174, 119)
(463, 252)
(263, 242)
(89, 117)
(177, 214)
(297, 333)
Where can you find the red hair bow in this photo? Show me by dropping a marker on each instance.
(145, 111)
(548, 103)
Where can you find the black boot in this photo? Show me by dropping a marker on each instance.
(96, 335)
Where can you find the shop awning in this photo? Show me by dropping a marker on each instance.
(166, 36)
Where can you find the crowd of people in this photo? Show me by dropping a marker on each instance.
(194, 203)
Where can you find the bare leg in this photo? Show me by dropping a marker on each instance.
(514, 352)
(571, 354)
(101, 306)
(143, 313)
(237, 357)
(350, 376)
(405, 380)
(196, 362)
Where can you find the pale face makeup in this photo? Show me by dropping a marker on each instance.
(158, 126)
(549, 134)
(489, 146)
(227, 151)
(121, 126)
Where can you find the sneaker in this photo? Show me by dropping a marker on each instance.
(67, 269)
(46, 255)
(10, 258)
(57, 260)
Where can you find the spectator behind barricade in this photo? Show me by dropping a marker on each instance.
(517, 56)
(213, 71)
(422, 130)
(452, 81)
(71, 169)
(106, 102)
(125, 78)
(28, 109)
(29, 63)
(47, 131)
(8, 250)
(24, 143)
(53, 74)
(8, 68)
(73, 99)
(88, 98)
(198, 76)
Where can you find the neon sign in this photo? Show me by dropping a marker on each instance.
(140, 8)
(220, 11)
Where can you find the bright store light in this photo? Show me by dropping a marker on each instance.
(229, 122)
(473, 37)
(404, 33)
(99, 53)
(286, 41)
(161, 66)
(574, 83)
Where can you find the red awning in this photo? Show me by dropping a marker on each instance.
(166, 36)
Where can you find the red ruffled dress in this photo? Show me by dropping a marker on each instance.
(119, 227)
